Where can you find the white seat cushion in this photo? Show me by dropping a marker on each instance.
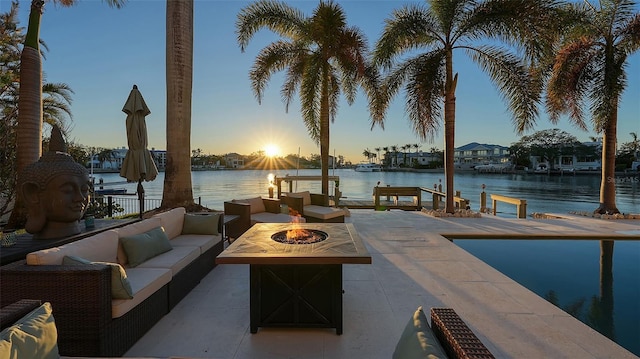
(203, 241)
(268, 217)
(175, 259)
(322, 212)
(144, 282)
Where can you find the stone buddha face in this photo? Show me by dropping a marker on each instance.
(65, 197)
(56, 193)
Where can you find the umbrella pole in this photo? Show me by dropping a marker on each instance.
(141, 197)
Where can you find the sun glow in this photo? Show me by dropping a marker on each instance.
(271, 150)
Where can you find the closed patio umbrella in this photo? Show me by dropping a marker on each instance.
(138, 165)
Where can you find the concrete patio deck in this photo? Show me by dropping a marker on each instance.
(413, 265)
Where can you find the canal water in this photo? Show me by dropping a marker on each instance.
(569, 273)
(557, 194)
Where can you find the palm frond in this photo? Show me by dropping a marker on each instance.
(292, 80)
(334, 95)
(424, 79)
(573, 74)
(371, 83)
(530, 26)
(271, 59)
(449, 14)
(606, 90)
(276, 16)
(513, 78)
(310, 91)
(408, 28)
(629, 35)
(56, 101)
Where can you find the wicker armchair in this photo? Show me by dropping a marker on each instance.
(247, 217)
(455, 336)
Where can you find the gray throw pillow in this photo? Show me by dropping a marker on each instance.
(201, 223)
(34, 336)
(143, 246)
(120, 285)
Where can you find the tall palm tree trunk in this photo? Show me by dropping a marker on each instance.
(324, 137)
(177, 189)
(449, 130)
(29, 128)
(608, 180)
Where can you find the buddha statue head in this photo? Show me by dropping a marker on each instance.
(56, 191)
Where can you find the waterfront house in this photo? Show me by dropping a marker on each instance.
(160, 158)
(473, 154)
(585, 156)
(114, 162)
(234, 160)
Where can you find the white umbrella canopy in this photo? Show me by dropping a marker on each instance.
(138, 164)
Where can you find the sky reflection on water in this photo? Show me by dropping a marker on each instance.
(568, 273)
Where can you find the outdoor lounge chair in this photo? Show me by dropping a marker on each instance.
(311, 207)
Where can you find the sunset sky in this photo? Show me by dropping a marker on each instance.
(100, 52)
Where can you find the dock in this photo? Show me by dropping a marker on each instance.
(383, 197)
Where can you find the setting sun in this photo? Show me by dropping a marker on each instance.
(271, 150)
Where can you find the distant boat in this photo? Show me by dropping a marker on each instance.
(367, 167)
(111, 192)
(541, 169)
(492, 167)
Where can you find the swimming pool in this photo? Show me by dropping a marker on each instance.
(597, 282)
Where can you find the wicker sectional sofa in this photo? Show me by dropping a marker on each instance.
(90, 321)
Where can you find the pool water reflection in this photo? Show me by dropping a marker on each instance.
(597, 282)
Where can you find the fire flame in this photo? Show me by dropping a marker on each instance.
(296, 232)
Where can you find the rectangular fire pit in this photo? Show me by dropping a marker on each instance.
(299, 284)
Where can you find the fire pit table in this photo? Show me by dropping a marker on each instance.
(296, 277)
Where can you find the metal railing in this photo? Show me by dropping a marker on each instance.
(125, 205)
(122, 205)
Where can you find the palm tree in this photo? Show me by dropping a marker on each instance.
(105, 155)
(30, 102)
(446, 26)
(405, 149)
(366, 153)
(177, 190)
(30, 115)
(386, 154)
(417, 147)
(377, 149)
(590, 67)
(394, 160)
(635, 144)
(321, 56)
(55, 107)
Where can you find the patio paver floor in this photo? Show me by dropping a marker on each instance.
(413, 265)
